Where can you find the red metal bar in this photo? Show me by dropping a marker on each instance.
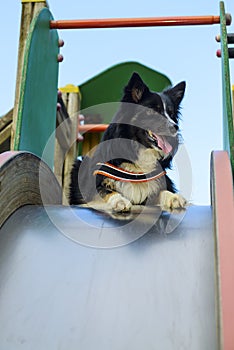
(92, 127)
(136, 22)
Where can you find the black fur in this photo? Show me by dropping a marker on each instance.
(142, 113)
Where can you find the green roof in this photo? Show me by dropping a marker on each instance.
(99, 93)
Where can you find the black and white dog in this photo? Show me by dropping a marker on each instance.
(129, 165)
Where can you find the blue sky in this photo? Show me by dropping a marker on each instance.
(182, 53)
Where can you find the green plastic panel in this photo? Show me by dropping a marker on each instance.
(38, 93)
(228, 133)
(108, 87)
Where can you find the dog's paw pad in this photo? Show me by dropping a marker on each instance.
(172, 201)
(119, 203)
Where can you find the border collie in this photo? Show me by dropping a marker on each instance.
(129, 165)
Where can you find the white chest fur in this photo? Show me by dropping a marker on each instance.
(139, 192)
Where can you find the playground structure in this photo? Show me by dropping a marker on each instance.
(118, 298)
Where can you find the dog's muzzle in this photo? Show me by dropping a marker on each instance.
(161, 142)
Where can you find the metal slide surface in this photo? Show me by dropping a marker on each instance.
(157, 292)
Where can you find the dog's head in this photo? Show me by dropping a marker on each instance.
(153, 116)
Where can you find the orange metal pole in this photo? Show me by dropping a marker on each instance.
(92, 127)
(136, 22)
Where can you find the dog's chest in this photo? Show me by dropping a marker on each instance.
(139, 192)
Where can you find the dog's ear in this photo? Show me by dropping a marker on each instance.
(176, 93)
(135, 89)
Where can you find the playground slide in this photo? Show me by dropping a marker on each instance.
(61, 289)
(58, 294)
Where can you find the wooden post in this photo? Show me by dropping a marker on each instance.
(66, 154)
(29, 9)
(73, 111)
(59, 156)
(5, 128)
(63, 138)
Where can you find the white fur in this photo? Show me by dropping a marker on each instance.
(128, 193)
(170, 201)
(166, 114)
(146, 161)
(139, 192)
(118, 203)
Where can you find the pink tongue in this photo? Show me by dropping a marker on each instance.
(164, 145)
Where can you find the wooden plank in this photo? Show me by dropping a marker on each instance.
(37, 6)
(95, 139)
(63, 135)
(27, 15)
(73, 111)
(63, 123)
(5, 133)
(223, 213)
(86, 144)
(6, 119)
(59, 156)
(40, 67)
(33, 1)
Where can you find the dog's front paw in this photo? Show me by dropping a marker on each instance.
(172, 201)
(118, 203)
